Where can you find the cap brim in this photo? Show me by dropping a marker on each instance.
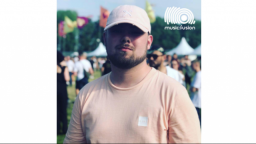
(126, 21)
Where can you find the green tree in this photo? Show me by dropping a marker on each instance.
(89, 34)
(165, 38)
(68, 43)
(193, 37)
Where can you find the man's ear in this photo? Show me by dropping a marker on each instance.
(150, 41)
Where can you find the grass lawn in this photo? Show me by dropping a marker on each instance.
(72, 95)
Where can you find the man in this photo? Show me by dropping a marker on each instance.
(82, 67)
(186, 61)
(168, 60)
(134, 103)
(175, 56)
(156, 57)
(70, 65)
(196, 88)
(92, 62)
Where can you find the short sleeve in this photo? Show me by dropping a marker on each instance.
(75, 132)
(183, 123)
(87, 65)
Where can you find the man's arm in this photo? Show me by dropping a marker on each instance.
(102, 69)
(196, 83)
(66, 74)
(193, 89)
(75, 131)
(183, 123)
(88, 67)
(91, 71)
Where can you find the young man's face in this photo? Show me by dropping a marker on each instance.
(169, 58)
(195, 65)
(126, 45)
(155, 59)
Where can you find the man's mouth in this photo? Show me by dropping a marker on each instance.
(125, 49)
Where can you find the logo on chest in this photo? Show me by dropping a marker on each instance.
(143, 121)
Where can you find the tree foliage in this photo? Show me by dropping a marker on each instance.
(88, 35)
(168, 39)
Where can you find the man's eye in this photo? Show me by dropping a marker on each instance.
(136, 32)
(116, 31)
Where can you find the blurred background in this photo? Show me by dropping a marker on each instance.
(80, 26)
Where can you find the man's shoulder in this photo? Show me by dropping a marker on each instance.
(85, 61)
(170, 85)
(167, 79)
(77, 63)
(94, 85)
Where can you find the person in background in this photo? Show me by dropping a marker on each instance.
(70, 65)
(175, 56)
(189, 73)
(95, 63)
(62, 95)
(156, 56)
(106, 68)
(168, 60)
(134, 103)
(65, 59)
(81, 70)
(186, 61)
(196, 88)
(76, 59)
(92, 62)
(175, 65)
(101, 62)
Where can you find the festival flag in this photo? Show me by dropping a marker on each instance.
(61, 29)
(81, 22)
(150, 12)
(104, 13)
(68, 25)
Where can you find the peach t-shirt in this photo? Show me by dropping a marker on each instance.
(156, 110)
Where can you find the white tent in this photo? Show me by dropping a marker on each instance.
(197, 51)
(99, 51)
(182, 48)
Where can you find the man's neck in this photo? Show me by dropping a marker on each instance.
(162, 68)
(125, 78)
(198, 70)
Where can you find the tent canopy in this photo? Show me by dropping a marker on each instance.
(183, 48)
(197, 51)
(99, 51)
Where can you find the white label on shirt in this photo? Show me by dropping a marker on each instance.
(143, 121)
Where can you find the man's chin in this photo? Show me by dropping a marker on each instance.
(152, 65)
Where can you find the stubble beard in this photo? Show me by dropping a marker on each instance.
(119, 59)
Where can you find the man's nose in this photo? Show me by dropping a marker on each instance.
(126, 39)
(151, 58)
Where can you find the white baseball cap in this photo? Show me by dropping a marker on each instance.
(129, 14)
